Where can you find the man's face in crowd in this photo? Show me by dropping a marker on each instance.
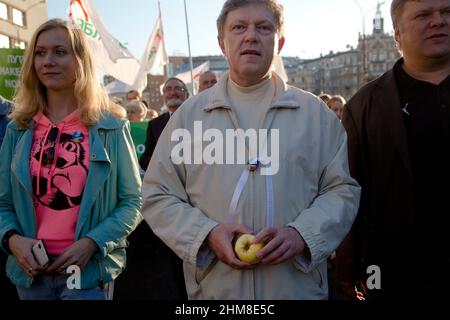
(132, 95)
(174, 94)
(207, 80)
(423, 29)
(249, 42)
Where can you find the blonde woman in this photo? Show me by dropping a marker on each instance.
(71, 177)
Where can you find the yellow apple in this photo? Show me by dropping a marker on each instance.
(246, 250)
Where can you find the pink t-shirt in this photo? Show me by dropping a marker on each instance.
(59, 160)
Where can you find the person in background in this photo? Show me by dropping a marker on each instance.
(336, 104)
(325, 97)
(398, 130)
(136, 111)
(175, 93)
(206, 80)
(152, 114)
(70, 171)
(154, 271)
(198, 207)
(133, 95)
(136, 114)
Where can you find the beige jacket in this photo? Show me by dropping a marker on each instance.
(313, 192)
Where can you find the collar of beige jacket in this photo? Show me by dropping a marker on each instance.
(218, 99)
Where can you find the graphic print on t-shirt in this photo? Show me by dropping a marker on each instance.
(61, 192)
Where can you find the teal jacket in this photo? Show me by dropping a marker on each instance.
(110, 208)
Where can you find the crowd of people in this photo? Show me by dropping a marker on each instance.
(350, 203)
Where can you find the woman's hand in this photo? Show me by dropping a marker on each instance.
(77, 254)
(21, 249)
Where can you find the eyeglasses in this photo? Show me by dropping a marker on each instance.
(49, 153)
(176, 89)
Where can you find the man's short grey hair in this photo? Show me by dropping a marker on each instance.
(396, 10)
(272, 5)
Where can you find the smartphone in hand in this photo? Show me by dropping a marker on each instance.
(40, 253)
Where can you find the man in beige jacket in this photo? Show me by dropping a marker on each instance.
(252, 155)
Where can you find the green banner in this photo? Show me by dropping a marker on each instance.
(10, 63)
(138, 132)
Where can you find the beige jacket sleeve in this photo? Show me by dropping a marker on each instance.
(166, 207)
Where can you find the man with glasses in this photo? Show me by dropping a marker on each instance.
(153, 270)
(174, 94)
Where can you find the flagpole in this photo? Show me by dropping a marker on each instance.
(166, 67)
(189, 48)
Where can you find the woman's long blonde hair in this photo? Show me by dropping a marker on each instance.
(31, 95)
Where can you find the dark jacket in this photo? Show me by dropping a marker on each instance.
(154, 129)
(379, 160)
(153, 272)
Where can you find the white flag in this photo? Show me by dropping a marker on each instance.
(109, 54)
(154, 56)
(186, 76)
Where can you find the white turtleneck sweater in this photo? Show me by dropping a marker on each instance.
(251, 103)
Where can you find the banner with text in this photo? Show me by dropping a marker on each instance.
(10, 63)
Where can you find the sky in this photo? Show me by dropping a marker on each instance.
(312, 27)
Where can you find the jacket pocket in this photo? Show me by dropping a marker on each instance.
(201, 274)
(317, 274)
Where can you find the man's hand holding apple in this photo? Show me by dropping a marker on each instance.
(220, 241)
(282, 243)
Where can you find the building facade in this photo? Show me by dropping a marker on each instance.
(377, 51)
(344, 73)
(335, 73)
(18, 21)
(152, 93)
